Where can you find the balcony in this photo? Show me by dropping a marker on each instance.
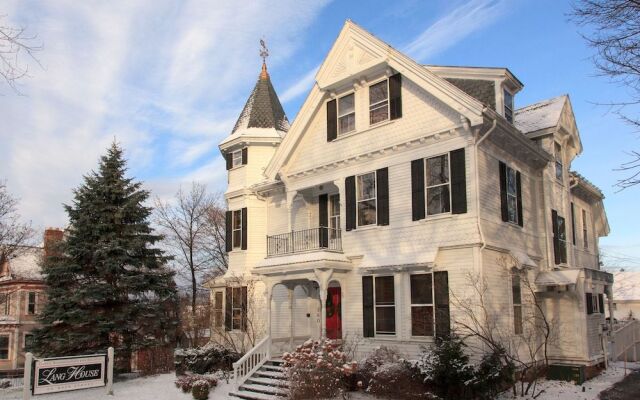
(322, 238)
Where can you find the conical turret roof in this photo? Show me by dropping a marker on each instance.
(263, 108)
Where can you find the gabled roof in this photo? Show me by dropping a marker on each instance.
(541, 115)
(23, 266)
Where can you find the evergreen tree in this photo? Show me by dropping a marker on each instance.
(107, 285)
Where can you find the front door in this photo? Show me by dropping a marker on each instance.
(334, 313)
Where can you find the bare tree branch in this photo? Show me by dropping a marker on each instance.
(16, 46)
(14, 234)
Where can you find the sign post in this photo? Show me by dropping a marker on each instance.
(26, 390)
(110, 361)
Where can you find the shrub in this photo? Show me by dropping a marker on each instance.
(317, 369)
(205, 359)
(494, 374)
(200, 390)
(154, 360)
(186, 382)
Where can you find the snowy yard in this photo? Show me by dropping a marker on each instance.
(161, 387)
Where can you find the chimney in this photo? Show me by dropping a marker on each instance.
(52, 236)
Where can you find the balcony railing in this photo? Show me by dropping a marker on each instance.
(309, 239)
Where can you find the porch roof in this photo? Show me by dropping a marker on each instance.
(556, 278)
(407, 260)
(300, 262)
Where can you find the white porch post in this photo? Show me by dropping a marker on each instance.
(268, 294)
(323, 308)
(290, 289)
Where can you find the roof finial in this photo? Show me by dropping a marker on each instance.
(264, 53)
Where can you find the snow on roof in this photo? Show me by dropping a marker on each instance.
(26, 265)
(544, 114)
(626, 285)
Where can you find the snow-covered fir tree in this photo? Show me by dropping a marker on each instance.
(107, 285)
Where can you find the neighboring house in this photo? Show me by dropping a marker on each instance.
(396, 189)
(626, 295)
(22, 297)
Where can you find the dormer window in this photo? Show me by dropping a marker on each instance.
(508, 106)
(236, 158)
(559, 163)
(346, 114)
(379, 102)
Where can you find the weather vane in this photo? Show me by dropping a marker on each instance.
(264, 52)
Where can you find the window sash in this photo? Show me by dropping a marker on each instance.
(28, 342)
(366, 206)
(346, 117)
(512, 195)
(376, 107)
(334, 215)
(441, 189)
(5, 306)
(585, 232)
(559, 163)
(31, 303)
(236, 158)
(508, 106)
(236, 308)
(595, 303)
(4, 347)
(420, 303)
(237, 229)
(218, 311)
(516, 297)
(384, 311)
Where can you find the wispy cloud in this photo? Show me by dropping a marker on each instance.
(450, 29)
(301, 86)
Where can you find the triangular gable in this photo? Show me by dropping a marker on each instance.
(567, 122)
(354, 53)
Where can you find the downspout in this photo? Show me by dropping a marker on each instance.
(477, 176)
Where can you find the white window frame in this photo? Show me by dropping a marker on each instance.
(513, 195)
(233, 307)
(237, 228)
(24, 340)
(6, 305)
(374, 198)
(559, 160)
(221, 309)
(334, 219)
(8, 336)
(236, 158)
(595, 303)
(509, 107)
(563, 242)
(516, 275)
(35, 303)
(432, 305)
(340, 115)
(375, 308)
(585, 230)
(427, 187)
(377, 105)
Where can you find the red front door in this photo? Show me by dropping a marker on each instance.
(334, 313)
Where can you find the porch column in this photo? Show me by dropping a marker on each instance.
(268, 294)
(323, 308)
(291, 330)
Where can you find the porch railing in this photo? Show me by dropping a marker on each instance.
(252, 361)
(304, 240)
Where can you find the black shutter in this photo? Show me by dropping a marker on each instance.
(243, 325)
(368, 329)
(441, 301)
(601, 302)
(323, 223)
(228, 237)
(382, 189)
(458, 182)
(395, 96)
(245, 156)
(417, 189)
(573, 223)
(350, 205)
(519, 193)
(503, 192)
(332, 120)
(229, 158)
(244, 229)
(589, 303)
(556, 237)
(228, 315)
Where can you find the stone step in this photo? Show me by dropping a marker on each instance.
(268, 381)
(265, 389)
(273, 367)
(243, 394)
(270, 374)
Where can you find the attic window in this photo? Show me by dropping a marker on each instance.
(236, 158)
(346, 114)
(508, 106)
(379, 102)
(559, 164)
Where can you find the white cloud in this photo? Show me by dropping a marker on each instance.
(302, 86)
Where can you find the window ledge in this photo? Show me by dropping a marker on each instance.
(237, 167)
(437, 217)
(513, 225)
(356, 132)
(367, 227)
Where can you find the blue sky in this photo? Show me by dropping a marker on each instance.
(169, 78)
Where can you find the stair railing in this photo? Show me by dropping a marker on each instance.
(251, 361)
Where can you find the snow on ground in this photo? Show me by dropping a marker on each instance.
(567, 390)
(157, 387)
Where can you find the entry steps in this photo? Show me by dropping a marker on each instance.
(267, 383)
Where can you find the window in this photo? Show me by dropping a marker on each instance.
(5, 303)
(379, 102)
(508, 106)
(512, 196)
(422, 313)
(31, 304)
(595, 304)
(517, 303)
(334, 216)
(585, 233)
(237, 229)
(366, 199)
(559, 164)
(217, 310)
(28, 342)
(562, 239)
(237, 308)
(236, 158)
(384, 300)
(438, 185)
(346, 114)
(4, 347)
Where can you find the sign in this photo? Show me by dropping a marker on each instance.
(68, 373)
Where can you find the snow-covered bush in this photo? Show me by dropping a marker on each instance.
(494, 374)
(200, 390)
(317, 369)
(186, 382)
(205, 359)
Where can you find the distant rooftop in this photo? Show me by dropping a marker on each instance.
(541, 115)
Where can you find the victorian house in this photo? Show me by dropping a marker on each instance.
(398, 194)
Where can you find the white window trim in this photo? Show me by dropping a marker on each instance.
(515, 195)
(560, 240)
(504, 104)
(338, 115)
(215, 292)
(9, 352)
(234, 229)
(585, 230)
(334, 219)
(6, 305)
(595, 303)
(35, 303)
(433, 305)
(235, 160)
(514, 305)
(375, 307)
(558, 159)
(24, 340)
(374, 198)
(236, 308)
(427, 187)
(380, 102)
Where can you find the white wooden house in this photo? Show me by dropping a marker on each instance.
(397, 186)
